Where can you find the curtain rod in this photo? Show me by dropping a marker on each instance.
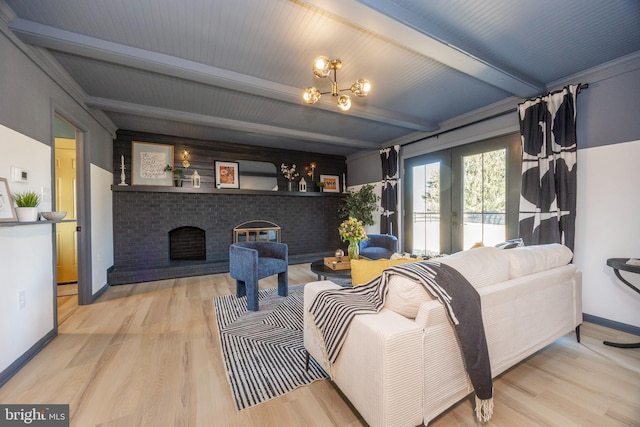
(503, 113)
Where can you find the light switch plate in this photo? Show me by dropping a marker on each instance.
(19, 175)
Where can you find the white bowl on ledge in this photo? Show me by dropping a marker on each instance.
(53, 216)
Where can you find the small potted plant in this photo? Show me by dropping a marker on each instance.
(320, 185)
(178, 175)
(27, 205)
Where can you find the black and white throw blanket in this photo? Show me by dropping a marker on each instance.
(333, 311)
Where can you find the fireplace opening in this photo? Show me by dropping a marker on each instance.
(187, 243)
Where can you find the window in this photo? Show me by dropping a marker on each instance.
(459, 197)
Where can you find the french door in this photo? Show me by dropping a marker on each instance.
(461, 197)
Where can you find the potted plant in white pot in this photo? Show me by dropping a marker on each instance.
(27, 206)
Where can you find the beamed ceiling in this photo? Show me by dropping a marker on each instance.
(234, 70)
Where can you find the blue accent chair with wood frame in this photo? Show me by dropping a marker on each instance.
(252, 261)
(378, 246)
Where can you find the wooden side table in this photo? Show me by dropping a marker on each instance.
(621, 264)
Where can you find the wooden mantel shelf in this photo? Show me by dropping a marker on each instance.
(211, 190)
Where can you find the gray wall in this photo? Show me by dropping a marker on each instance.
(29, 98)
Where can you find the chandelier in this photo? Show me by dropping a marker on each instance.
(322, 67)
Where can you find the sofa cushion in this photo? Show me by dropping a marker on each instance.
(480, 266)
(363, 270)
(533, 259)
(405, 296)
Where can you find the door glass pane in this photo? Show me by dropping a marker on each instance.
(484, 200)
(426, 209)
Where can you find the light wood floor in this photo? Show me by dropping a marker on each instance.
(148, 355)
(67, 301)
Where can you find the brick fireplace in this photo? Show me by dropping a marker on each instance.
(144, 217)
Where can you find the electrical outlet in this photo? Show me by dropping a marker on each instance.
(22, 299)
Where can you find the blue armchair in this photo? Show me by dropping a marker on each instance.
(252, 261)
(379, 246)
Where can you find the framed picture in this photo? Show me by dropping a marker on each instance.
(7, 213)
(227, 175)
(149, 162)
(331, 183)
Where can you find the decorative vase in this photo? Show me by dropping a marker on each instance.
(290, 186)
(27, 214)
(354, 250)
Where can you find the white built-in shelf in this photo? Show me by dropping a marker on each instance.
(17, 223)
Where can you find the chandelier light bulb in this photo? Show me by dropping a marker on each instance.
(311, 95)
(344, 102)
(321, 67)
(361, 87)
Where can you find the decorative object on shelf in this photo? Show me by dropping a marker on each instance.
(322, 68)
(331, 183)
(195, 179)
(53, 216)
(289, 173)
(7, 212)
(178, 175)
(185, 159)
(344, 183)
(227, 175)
(122, 175)
(149, 164)
(27, 205)
(320, 186)
(352, 231)
(311, 171)
(302, 185)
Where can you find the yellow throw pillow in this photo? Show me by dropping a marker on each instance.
(363, 270)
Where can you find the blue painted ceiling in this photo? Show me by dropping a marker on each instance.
(234, 70)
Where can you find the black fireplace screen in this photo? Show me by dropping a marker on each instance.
(187, 243)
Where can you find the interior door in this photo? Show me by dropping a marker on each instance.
(66, 235)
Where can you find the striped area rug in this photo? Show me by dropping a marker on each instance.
(263, 351)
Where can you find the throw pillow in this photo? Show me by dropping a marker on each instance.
(363, 270)
(533, 259)
(405, 296)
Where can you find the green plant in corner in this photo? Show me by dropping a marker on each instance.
(360, 204)
(27, 199)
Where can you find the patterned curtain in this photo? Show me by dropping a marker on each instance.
(389, 201)
(548, 198)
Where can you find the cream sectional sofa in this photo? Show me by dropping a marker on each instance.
(403, 366)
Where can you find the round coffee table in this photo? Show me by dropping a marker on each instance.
(323, 271)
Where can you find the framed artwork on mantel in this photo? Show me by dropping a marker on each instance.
(7, 213)
(149, 162)
(331, 183)
(227, 175)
